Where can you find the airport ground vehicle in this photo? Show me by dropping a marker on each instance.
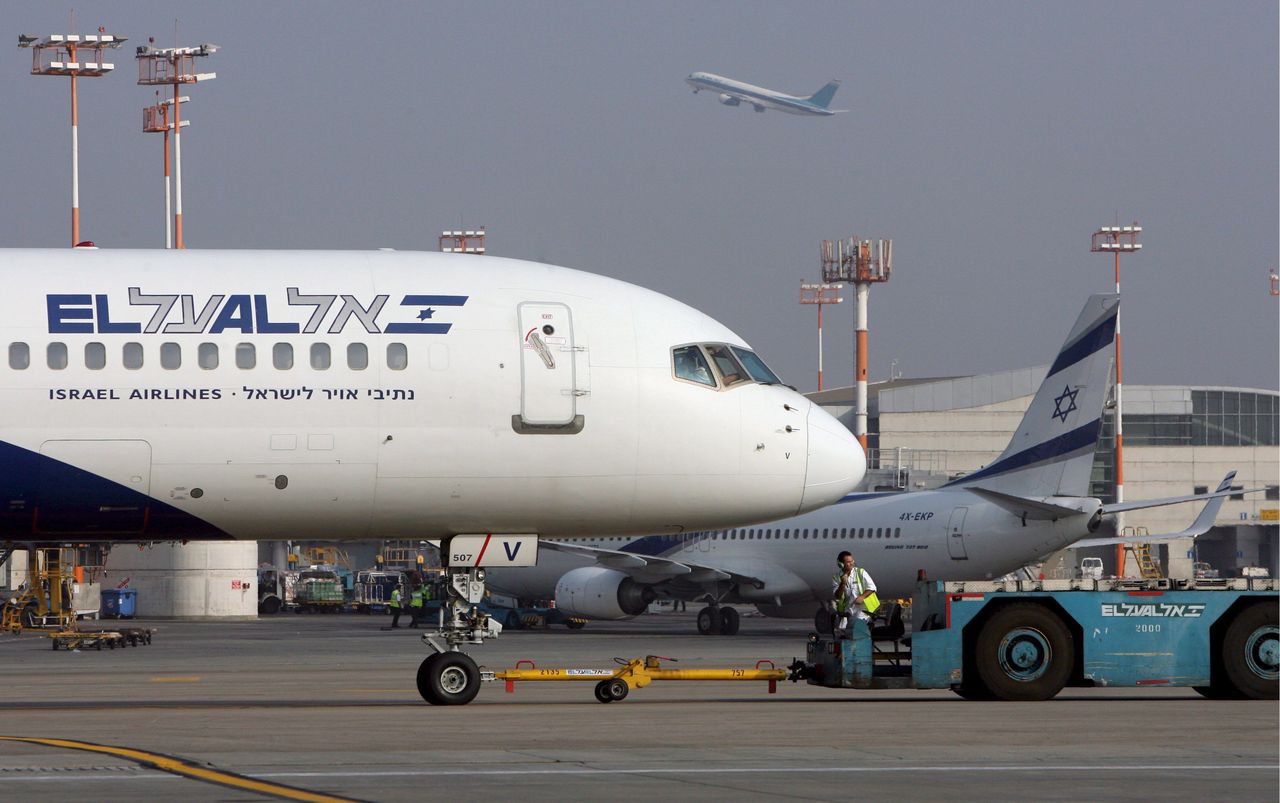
(373, 589)
(1027, 640)
(1091, 568)
(319, 590)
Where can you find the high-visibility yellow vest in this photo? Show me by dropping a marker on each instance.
(395, 599)
(870, 603)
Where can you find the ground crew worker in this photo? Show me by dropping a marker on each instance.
(394, 607)
(850, 590)
(415, 606)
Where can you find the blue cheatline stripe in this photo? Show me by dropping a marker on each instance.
(1095, 339)
(48, 500)
(434, 301)
(1075, 440)
(865, 496)
(418, 328)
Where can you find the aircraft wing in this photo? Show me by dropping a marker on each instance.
(650, 568)
(1224, 489)
(1200, 526)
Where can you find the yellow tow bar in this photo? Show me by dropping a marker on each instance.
(614, 684)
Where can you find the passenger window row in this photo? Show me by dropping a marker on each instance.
(207, 356)
(815, 533)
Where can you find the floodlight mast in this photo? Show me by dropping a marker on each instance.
(1118, 240)
(820, 295)
(155, 119)
(59, 54)
(174, 66)
(462, 241)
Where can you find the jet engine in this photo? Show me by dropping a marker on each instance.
(729, 100)
(598, 593)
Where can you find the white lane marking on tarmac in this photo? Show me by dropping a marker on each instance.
(712, 771)
(81, 776)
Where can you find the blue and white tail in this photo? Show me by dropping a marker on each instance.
(823, 96)
(1051, 454)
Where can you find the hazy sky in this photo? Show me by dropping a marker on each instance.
(987, 139)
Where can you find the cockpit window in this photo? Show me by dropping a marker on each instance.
(728, 366)
(756, 367)
(690, 364)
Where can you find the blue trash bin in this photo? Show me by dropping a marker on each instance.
(119, 603)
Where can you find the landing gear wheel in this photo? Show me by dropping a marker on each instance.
(824, 622)
(448, 678)
(1024, 652)
(709, 621)
(1251, 653)
(729, 622)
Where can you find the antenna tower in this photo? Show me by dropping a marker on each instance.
(861, 263)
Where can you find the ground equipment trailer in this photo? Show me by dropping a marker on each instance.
(1026, 640)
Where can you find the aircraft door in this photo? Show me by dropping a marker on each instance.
(548, 395)
(955, 534)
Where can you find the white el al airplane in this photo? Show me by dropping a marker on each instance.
(488, 403)
(1025, 505)
(734, 93)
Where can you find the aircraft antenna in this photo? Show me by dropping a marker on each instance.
(1118, 240)
(820, 295)
(171, 66)
(862, 263)
(61, 54)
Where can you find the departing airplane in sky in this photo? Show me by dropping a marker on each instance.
(165, 395)
(734, 93)
(1025, 505)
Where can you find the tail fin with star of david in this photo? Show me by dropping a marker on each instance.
(1051, 454)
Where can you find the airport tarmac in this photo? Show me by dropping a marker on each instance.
(302, 707)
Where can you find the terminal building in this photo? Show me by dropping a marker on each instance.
(1178, 440)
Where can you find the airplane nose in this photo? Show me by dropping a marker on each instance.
(836, 462)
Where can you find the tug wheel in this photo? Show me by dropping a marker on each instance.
(1251, 653)
(1024, 652)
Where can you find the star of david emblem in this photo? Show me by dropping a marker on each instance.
(1069, 396)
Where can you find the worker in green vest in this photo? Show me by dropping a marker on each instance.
(394, 607)
(415, 606)
(853, 591)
